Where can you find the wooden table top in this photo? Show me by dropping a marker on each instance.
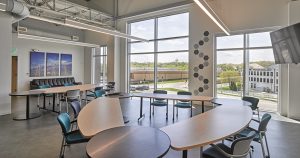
(226, 101)
(98, 115)
(173, 96)
(84, 87)
(129, 142)
(27, 93)
(209, 127)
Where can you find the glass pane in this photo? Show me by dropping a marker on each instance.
(173, 72)
(141, 47)
(235, 41)
(260, 40)
(143, 29)
(173, 26)
(173, 45)
(230, 74)
(263, 78)
(142, 73)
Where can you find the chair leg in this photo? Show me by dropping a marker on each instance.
(167, 114)
(176, 111)
(61, 154)
(191, 110)
(150, 110)
(267, 145)
(250, 153)
(60, 107)
(262, 145)
(173, 111)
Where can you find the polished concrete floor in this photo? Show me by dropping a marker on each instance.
(41, 137)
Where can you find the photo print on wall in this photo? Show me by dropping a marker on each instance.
(37, 64)
(52, 64)
(66, 65)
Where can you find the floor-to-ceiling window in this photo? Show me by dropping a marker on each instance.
(99, 65)
(246, 67)
(161, 63)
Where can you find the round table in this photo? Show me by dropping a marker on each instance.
(28, 115)
(226, 101)
(129, 142)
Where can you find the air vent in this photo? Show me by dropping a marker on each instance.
(75, 38)
(21, 29)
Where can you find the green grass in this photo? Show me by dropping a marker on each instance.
(170, 89)
(160, 82)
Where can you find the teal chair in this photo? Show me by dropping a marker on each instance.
(239, 148)
(183, 103)
(46, 95)
(260, 133)
(69, 136)
(254, 106)
(159, 102)
(68, 84)
(98, 92)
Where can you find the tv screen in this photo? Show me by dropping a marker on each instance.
(286, 44)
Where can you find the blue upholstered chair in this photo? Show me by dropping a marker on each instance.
(76, 109)
(254, 106)
(69, 136)
(239, 148)
(182, 103)
(92, 93)
(159, 102)
(68, 84)
(260, 133)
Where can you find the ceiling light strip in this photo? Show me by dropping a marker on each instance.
(84, 26)
(54, 40)
(2, 7)
(212, 15)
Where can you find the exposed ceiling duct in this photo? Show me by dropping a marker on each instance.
(18, 9)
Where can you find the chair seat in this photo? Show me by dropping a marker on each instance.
(69, 99)
(91, 95)
(75, 137)
(159, 103)
(183, 105)
(245, 132)
(211, 152)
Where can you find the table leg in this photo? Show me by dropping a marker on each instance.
(53, 107)
(191, 109)
(141, 109)
(201, 152)
(44, 102)
(184, 154)
(28, 115)
(202, 106)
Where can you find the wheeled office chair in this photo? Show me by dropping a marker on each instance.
(159, 102)
(182, 103)
(254, 106)
(260, 133)
(69, 136)
(239, 148)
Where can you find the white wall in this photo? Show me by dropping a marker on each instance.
(5, 63)
(24, 46)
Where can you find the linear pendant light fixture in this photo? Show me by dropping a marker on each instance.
(212, 15)
(2, 7)
(84, 26)
(55, 40)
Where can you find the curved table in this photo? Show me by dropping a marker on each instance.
(28, 115)
(129, 142)
(98, 115)
(209, 127)
(226, 101)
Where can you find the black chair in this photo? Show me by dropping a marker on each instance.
(110, 86)
(159, 102)
(254, 106)
(260, 133)
(239, 148)
(69, 136)
(76, 109)
(183, 103)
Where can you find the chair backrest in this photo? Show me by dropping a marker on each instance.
(44, 86)
(73, 94)
(160, 92)
(264, 122)
(65, 122)
(184, 93)
(111, 85)
(98, 88)
(76, 108)
(99, 93)
(241, 146)
(253, 101)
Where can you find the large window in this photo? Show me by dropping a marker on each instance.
(100, 65)
(246, 67)
(161, 63)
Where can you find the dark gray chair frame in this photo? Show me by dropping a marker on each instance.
(254, 101)
(174, 105)
(167, 102)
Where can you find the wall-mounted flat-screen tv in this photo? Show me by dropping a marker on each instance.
(286, 44)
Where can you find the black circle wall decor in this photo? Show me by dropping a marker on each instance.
(201, 89)
(196, 75)
(206, 33)
(201, 43)
(201, 66)
(206, 57)
(205, 81)
(196, 52)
